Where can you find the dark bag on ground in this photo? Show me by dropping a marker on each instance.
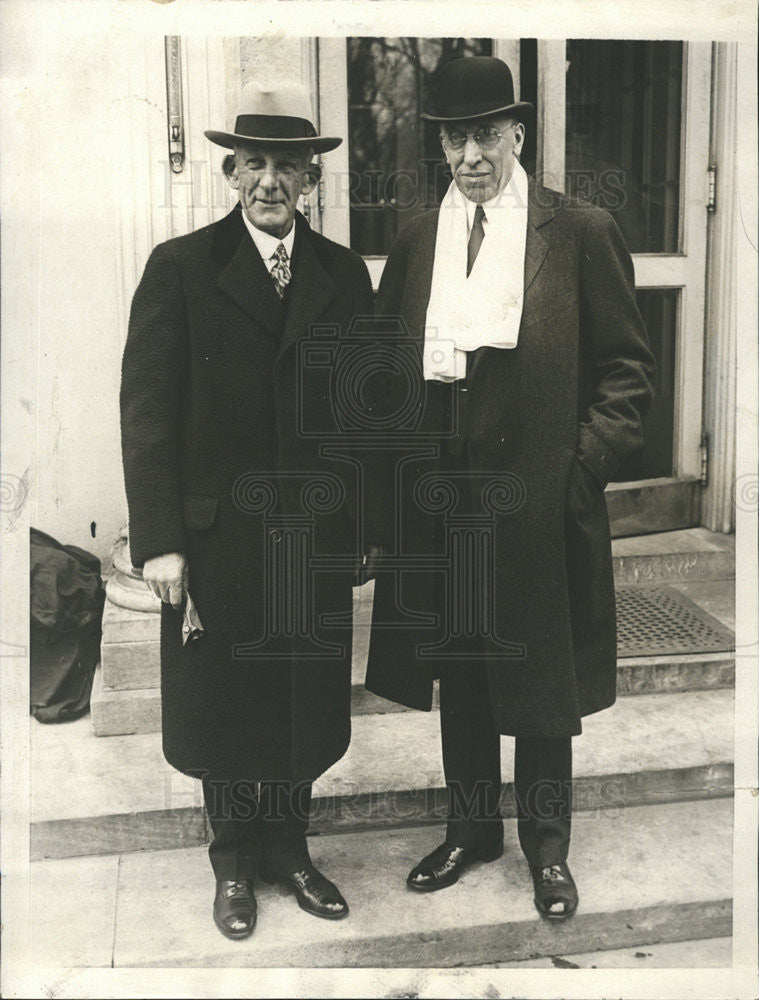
(67, 598)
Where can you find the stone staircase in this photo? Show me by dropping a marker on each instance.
(653, 791)
(126, 697)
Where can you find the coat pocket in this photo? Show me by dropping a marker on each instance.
(199, 512)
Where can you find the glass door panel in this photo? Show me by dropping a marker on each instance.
(624, 111)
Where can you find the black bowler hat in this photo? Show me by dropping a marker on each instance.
(474, 87)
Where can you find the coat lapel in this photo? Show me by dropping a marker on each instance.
(420, 270)
(539, 211)
(245, 278)
(311, 290)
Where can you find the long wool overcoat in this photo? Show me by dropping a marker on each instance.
(524, 560)
(234, 456)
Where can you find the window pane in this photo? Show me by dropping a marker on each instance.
(396, 162)
(623, 135)
(658, 307)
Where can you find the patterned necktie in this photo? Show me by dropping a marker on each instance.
(280, 273)
(476, 237)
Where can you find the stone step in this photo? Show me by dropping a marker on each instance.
(154, 908)
(635, 676)
(127, 712)
(126, 697)
(100, 796)
(673, 556)
(131, 637)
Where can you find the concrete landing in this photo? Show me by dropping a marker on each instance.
(708, 953)
(154, 908)
(98, 796)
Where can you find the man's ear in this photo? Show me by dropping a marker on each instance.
(519, 132)
(229, 166)
(311, 178)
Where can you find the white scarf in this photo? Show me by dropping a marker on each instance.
(484, 309)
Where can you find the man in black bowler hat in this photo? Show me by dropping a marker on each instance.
(227, 482)
(535, 377)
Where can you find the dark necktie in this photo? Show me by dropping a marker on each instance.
(280, 273)
(476, 237)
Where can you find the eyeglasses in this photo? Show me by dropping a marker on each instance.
(486, 138)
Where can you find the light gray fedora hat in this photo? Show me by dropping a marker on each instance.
(275, 115)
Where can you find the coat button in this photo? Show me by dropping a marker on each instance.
(276, 536)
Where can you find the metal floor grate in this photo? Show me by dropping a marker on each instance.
(661, 620)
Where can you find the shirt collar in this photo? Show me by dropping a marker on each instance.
(267, 244)
(514, 195)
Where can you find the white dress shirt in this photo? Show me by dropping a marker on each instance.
(267, 244)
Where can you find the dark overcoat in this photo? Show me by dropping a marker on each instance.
(517, 552)
(233, 455)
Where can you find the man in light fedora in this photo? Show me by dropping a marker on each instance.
(536, 376)
(239, 514)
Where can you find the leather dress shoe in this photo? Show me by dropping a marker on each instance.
(313, 891)
(234, 908)
(555, 891)
(446, 864)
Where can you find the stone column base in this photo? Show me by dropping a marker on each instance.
(126, 695)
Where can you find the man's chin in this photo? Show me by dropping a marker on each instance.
(273, 222)
(476, 192)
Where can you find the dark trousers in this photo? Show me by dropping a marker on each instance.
(472, 764)
(472, 743)
(256, 823)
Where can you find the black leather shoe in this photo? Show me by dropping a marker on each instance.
(313, 891)
(446, 864)
(555, 891)
(234, 908)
